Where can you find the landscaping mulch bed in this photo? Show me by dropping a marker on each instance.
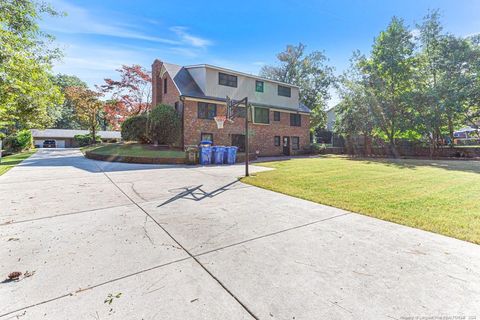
(130, 159)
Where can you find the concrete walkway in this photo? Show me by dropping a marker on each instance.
(108, 240)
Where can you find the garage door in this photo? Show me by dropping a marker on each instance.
(60, 143)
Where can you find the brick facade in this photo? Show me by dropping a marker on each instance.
(158, 91)
(262, 135)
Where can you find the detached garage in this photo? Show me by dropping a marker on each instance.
(64, 138)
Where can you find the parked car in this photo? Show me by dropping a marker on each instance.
(49, 144)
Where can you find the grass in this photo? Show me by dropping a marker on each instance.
(134, 150)
(11, 161)
(438, 196)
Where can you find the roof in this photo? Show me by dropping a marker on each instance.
(301, 107)
(70, 133)
(183, 80)
(239, 73)
(187, 86)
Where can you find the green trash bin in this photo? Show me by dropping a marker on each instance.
(192, 154)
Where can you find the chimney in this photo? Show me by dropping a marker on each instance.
(156, 82)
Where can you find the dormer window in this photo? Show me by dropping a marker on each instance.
(284, 91)
(258, 86)
(227, 80)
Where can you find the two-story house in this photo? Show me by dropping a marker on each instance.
(279, 122)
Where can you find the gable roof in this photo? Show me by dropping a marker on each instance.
(241, 74)
(183, 80)
(187, 86)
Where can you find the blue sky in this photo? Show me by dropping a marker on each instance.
(99, 36)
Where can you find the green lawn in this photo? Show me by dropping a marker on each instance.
(11, 161)
(438, 196)
(134, 150)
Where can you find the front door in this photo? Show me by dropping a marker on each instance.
(286, 146)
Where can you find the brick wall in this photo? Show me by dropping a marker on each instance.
(158, 93)
(261, 139)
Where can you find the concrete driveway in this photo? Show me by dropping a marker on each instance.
(120, 241)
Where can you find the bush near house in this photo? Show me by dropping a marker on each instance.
(135, 128)
(163, 125)
(85, 139)
(18, 142)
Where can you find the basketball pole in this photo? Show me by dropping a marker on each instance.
(231, 105)
(247, 149)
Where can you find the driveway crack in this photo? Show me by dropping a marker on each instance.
(184, 249)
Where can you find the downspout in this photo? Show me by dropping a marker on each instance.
(182, 100)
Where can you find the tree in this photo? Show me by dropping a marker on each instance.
(310, 73)
(426, 94)
(472, 105)
(134, 128)
(388, 73)
(131, 95)
(67, 118)
(163, 125)
(87, 107)
(354, 115)
(26, 55)
(460, 85)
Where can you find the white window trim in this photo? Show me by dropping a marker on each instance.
(260, 123)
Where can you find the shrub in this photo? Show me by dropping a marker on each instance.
(135, 128)
(85, 139)
(163, 125)
(25, 139)
(19, 141)
(317, 147)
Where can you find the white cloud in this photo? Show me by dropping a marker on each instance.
(415, 33)
(189, 39)
(92, 63)
(133, 40)
(80, 21)
(472, 35)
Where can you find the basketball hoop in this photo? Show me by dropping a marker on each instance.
(220, 120)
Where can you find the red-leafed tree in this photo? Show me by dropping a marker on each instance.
(131, 94)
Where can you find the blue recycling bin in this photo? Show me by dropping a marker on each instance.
(231, 155)
(225, 155)
(218, 152)
(205, 152)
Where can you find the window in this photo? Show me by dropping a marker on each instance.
(295, 143)
(165, 85)
(238, 140)
(206, 137)
(295, 120)
(262, 115)
(284, 91)
(227, 80)
(207, 110)
(177, 106)
(259, 86)
(276, 141)
(276, 116)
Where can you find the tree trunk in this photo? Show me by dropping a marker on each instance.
(393, 147)
(94, 133)
(450, 130)
(367, 145)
